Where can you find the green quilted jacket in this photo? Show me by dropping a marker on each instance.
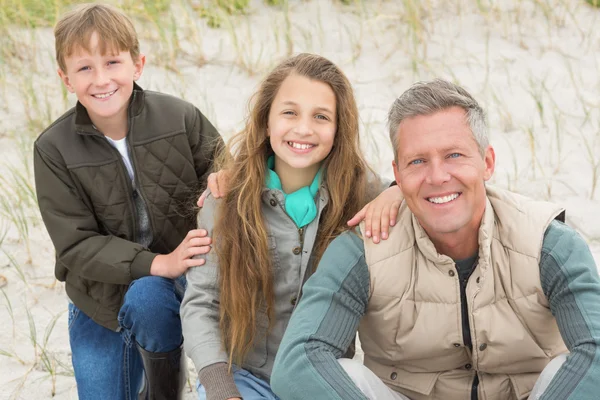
(86, 196)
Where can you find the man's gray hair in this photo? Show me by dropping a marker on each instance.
(425, 98)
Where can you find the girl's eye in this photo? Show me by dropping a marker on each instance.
(323, 117)
(415, 162)
(288, 112)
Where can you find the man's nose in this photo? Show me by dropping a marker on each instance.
(437, 174)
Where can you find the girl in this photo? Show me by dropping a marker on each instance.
(297, 177)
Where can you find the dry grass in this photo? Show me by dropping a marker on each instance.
(532, 63)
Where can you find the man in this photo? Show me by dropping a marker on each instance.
(478, 293)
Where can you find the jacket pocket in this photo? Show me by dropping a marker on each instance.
(522, 384)
(272, 244)
(258, 355)
(413, 385)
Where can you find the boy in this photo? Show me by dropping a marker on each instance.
(112, 175)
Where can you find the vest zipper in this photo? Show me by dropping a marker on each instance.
(475, 387)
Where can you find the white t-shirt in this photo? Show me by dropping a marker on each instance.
(121, 145)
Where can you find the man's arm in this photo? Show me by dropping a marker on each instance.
(323, 326)
(570, 282)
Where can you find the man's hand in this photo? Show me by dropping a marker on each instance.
(217, 184)
(380, 214)
(174, 264)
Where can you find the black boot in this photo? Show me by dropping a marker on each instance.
(164, 375)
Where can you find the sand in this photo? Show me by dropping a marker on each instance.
(534, 69)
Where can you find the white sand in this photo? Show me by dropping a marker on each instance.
(507, 57)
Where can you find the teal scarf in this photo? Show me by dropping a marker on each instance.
(299, 205)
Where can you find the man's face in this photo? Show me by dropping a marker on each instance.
(442, 173)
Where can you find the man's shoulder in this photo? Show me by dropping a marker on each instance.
(350, 240)
(560, 239)
(345, 251)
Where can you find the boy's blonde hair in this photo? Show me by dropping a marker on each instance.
(114, 29)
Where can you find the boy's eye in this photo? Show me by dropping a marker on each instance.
(113, 62)
(84, 68)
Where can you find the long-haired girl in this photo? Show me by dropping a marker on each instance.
(296, 176)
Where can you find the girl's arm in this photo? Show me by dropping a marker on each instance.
(380, 213)
(200, 320)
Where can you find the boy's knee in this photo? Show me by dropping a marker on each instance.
(148, 290)
(150, 299)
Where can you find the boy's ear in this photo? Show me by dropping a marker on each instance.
(139, 66)
(65, 78)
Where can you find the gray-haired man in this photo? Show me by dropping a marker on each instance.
(478, 293)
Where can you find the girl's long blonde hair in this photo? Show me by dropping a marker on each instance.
(245, 265)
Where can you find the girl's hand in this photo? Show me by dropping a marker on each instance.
(217, 184)
(174, 264)
(380, 214)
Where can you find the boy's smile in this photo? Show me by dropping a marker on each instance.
(103, 84)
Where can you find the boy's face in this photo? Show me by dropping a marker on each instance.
(102, 83)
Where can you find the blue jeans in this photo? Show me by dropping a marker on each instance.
(107, 364)
(249, 386)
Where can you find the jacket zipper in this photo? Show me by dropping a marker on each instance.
(128, 184)
(135, 176)
(301, 237)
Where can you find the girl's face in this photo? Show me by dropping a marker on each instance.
(302, 124)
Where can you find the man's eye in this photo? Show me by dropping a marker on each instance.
(415, 162)
(454, 155)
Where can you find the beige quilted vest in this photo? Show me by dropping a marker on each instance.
(412, 334)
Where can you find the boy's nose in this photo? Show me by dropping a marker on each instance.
(101, 78)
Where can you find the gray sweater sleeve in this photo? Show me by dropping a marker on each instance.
(200, 319)
(323, 325)
(570, 282)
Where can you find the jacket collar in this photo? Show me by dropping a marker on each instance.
(83, 122)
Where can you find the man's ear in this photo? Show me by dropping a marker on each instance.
(139, 66)
(396, 173)
(489, 158)
(65, 78)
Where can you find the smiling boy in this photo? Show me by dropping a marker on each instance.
(113, 175)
